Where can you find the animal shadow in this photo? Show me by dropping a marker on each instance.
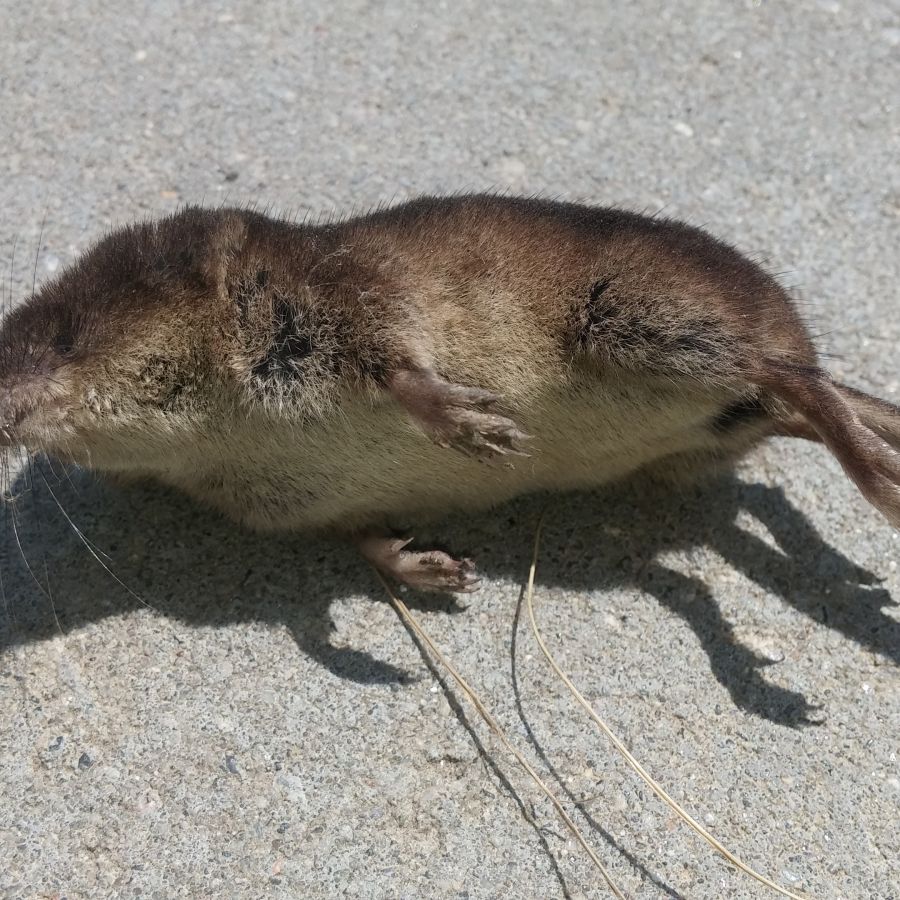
(801, 569)
(191, 564)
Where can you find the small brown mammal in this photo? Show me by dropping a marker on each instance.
(346, 376)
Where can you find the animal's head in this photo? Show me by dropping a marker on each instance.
(105, 365)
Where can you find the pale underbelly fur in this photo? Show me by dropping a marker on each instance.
(372, 465)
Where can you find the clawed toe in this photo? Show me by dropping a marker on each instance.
(436, 571)
(464, 418)
(484, 435)
(429, 570)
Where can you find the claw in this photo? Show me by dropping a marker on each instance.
(460, 417)
(430, 570)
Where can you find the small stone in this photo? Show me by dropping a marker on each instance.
(85, 761)
(683, 128)
(292, 786)
(511, 168)
(231, 764)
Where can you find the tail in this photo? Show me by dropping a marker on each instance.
(861, 431)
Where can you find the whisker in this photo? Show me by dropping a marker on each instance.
(47, 462)
(7, 306)
(66, 473)
(37, 254)
(95, 552)
(37, 360)
(7, 612)
(34, 577)
(4, 480)
(41, 542)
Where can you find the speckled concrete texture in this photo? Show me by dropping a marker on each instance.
(268, 728)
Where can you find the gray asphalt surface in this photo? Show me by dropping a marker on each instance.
(271, 730)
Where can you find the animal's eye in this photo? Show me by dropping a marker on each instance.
(63, 343)
(64, 338)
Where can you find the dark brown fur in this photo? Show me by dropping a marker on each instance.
(265, 366)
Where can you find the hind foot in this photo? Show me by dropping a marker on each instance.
(430, 570)
(456, 416)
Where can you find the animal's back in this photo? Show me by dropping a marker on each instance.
(518, 290)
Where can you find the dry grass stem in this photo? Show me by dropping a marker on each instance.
(623, 750)
(411, 622)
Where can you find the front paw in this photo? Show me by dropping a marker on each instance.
(464, 418)
(469, 425)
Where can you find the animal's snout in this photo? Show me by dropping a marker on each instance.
(21, 398)
(14, 407)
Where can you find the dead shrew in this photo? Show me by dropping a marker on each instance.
(346, 376)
